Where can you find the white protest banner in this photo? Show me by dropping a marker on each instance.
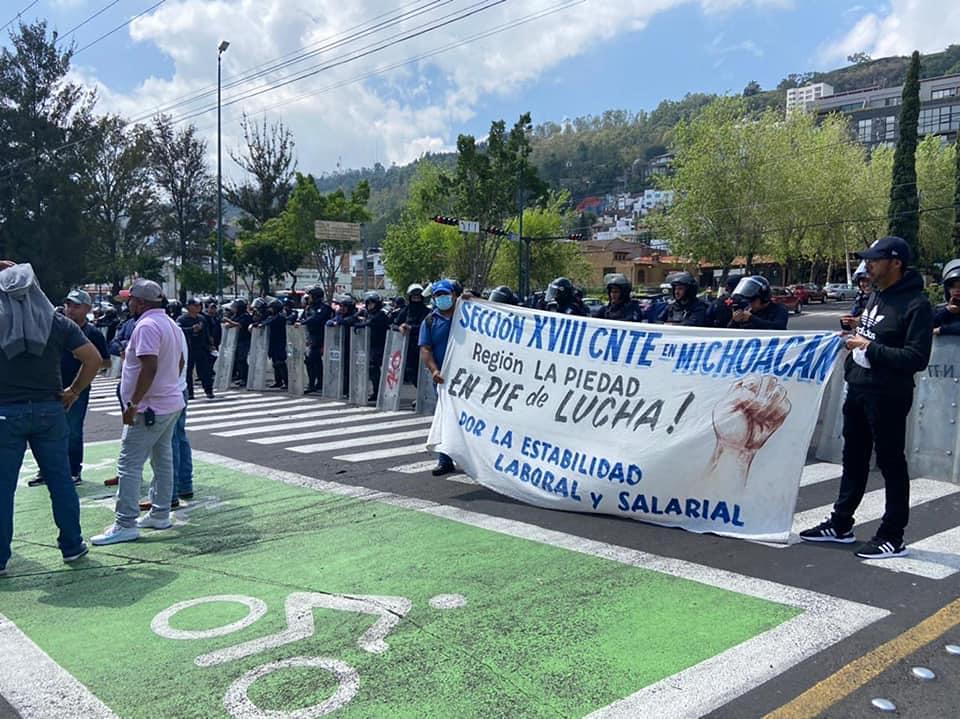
(703, 429)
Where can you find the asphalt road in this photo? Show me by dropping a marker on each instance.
(819, 317)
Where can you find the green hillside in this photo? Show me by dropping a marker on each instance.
(597, 154)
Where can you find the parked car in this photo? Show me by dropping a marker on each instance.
(808, 292)
(840, 292)
(785, 297)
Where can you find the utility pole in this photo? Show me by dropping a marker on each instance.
(522, 268)
(221, 48)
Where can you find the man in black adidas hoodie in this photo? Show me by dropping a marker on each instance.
(891, 343)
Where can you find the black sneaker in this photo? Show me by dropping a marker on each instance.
(826, 532)
(879, 548)
(76, 480)
(442, 469)
(36, 481)
(186, 495)
(82, 552)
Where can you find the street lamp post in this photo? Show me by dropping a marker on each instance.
(221, 48)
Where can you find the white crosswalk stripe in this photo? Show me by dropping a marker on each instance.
(211, 409)
(338, 416)
(240, 404)
(415, 468)
(387, 453)
(820, 472)
(348, 443)
(260, 414)
(355, 429)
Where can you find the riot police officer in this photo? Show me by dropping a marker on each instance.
(276, 324)
(620, 305)
(504, 295)
(408, 321)
(861, 278)
(753, 308)
(314, 320)
(241, 320)
(378, 322)
(946, 318)
(720, 311)
(561, 297)
(684, 307)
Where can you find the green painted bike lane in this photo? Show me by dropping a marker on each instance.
(475, 623)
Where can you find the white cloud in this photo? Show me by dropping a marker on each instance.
(905, 26)
(396, 115)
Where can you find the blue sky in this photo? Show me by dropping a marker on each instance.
(598, 55)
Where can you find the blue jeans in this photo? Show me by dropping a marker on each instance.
(182, 456)
(75, 417)
(44, 426)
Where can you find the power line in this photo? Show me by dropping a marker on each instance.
(120, 26)
(18, 15)
(97, 14)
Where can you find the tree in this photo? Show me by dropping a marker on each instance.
(956, 202)
(269, 253)
(935, 180)
(859, 58)
(903, 213)
(268, 157)
(43, 118)
(197, 280)
(121, 199)
(752, 88)
(178, 163)
(485, 187)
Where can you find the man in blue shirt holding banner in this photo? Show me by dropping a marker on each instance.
(434, 335)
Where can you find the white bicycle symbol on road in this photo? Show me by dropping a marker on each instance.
(299, 609)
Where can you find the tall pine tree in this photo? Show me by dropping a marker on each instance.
(903, 215)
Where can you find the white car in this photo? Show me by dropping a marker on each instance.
(840, 292)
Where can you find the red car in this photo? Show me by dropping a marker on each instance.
(808, 293)
(786, 298)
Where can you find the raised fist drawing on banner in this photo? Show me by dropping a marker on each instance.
(752, 410)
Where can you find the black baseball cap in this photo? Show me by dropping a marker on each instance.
(888, 248)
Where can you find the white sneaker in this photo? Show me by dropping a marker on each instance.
(149, 522)
(115, 534)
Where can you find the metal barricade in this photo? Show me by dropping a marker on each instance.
(933, 443)
(391, 374)
(426, 392)
(296, 354)
(257, 359)
(223, 367)
(359, 365)
(333, 363)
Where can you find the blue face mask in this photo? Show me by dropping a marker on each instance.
(443, 302)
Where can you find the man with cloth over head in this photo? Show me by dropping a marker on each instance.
(892, 342)
(33, 402)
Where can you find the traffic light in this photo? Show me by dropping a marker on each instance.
(441, 220)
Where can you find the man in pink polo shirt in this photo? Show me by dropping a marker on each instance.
(152, 401)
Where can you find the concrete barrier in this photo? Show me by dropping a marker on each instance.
(296, 353)
(333, 363)
(426, 392)
(257, 360)
(391, 374)
(223, 367)
(359, 365)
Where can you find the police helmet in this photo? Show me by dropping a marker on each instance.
(504, 295)
(560, 292)
(618, 279)
(346, 299)
(861, 272)
(755, 287)
(259, 303)
(276, 305)
(316, 292)
(415, 289)
(457, 287)
(174, 308)
(239, 306)
(373, 297)
(684, 279)
(951, 274)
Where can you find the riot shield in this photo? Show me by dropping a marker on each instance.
(359, 365)
(333, 361)
(257, 359)
(426, 392)
(391, 375)
(296, 352)
(223, 367)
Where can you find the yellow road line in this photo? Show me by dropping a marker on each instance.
(854, 675)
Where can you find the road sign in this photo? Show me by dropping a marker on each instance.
(346, 232)
(471, 226)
